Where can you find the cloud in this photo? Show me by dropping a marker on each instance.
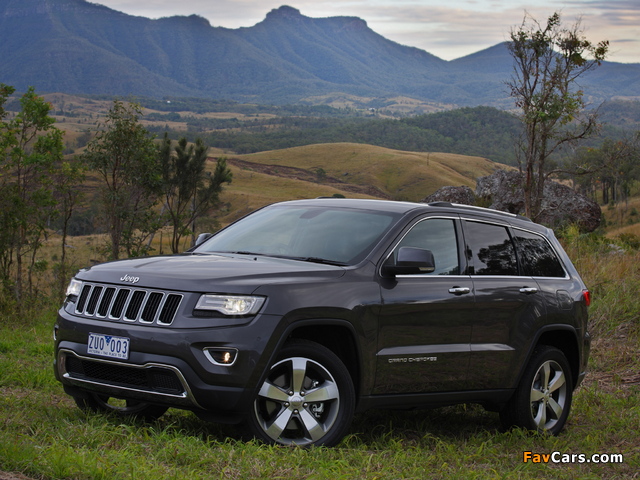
(447, 29)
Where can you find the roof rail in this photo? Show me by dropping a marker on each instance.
(481, 209)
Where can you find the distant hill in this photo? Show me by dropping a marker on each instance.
(349, 169)
(74, 46)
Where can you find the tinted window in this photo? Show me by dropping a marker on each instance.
(439, 236)
(341, 235)
(491, 250)
(539, 258)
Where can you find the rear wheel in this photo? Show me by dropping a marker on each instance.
(307, 398)
(543, 398)
(124, 407)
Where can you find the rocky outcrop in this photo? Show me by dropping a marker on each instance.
(503, 190)
(463, 195)
(561, 205)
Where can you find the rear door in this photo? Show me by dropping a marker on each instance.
(509, 305)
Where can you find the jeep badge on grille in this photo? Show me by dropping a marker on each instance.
(129, 278)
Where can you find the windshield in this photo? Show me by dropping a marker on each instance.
(325, 234)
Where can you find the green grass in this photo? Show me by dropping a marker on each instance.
(44, 435)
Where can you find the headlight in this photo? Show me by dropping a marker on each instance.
(232, 305)
(74, 288)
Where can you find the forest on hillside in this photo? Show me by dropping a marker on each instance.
(476, 131)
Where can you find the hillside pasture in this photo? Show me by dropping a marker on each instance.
(350, 169)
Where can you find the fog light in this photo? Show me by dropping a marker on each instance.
(221, 356)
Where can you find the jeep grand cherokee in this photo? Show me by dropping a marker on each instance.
(302, 313)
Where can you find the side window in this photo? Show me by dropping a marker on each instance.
(539, 258)
(439, 236)
(490, 249)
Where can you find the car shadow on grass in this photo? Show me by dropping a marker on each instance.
(374, 427)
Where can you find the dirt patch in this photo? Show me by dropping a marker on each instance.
(13, 476)
(616, 367)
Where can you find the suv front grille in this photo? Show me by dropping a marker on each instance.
(128, 304)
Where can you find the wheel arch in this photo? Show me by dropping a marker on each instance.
(336, 335)
(564, 339)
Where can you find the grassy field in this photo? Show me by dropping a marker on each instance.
(44, 436)
(624, 218)
(411, 175)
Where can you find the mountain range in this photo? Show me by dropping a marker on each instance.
(74, 46)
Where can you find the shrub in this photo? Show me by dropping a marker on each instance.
(629, 240)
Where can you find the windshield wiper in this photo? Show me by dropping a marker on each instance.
(226, 253)
(323, 261)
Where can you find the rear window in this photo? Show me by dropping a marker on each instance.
(491, 251)
(539, 259)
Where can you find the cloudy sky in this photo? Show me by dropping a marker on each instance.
(448, 29)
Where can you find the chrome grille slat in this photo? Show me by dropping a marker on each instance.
(148, 314)
(169, 309)
(122, 303)
(96, 293)
(137, 299)
(105, 302)
(82, 300)
(119, 303)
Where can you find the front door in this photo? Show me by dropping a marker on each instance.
(425, 321)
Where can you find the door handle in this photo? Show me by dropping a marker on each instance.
(528, 290)
(459, 290)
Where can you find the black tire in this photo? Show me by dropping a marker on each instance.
(94, 402)
(543, 397)
(307, 398)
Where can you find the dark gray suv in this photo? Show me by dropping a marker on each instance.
(302, 313)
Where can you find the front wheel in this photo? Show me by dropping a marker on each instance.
(542, 400)
(307, 398)
(125, 408)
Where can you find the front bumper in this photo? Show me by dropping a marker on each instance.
(166, 366)
(151, 382)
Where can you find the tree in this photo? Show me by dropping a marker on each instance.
(614, 167)
(125, 158)
(30, 152)
(548, 60)
(67, 177)
(189, 190)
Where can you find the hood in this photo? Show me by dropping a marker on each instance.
(207, 273)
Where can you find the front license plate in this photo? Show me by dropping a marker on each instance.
(108, 346)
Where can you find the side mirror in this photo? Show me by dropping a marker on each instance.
(411, 261)
(203, 237)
